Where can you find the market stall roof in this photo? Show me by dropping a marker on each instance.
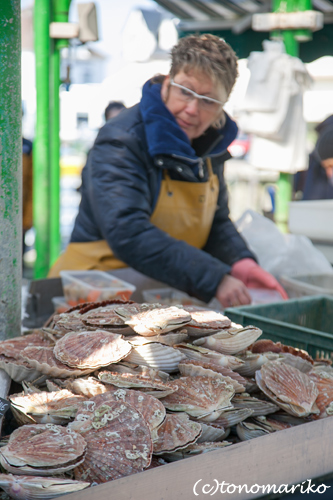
(231, 18)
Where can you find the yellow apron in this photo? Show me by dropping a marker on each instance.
(184, 210)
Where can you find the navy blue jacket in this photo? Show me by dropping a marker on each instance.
(120, 187)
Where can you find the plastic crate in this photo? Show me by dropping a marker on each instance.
(310, 284)
(306, 323)
(93, 286)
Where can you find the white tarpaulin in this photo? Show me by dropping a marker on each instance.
(272, 109)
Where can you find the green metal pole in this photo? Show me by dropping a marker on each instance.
(59, 14)
(41, 151)
(10, 169)
(284, 184)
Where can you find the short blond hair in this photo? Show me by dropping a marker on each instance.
(206, 53)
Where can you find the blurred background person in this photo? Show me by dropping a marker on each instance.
(316, 183)
(113, 109)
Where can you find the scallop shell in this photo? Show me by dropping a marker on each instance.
(250, 430)
(46, 407)
(298, 362)
(91, 349)
(233, 416)
(205, 321)
(208, 356)
(324, 383)
(58, 450)
(195, 449)
(88, 387)
(200, 397)
(289, 388)
(156, 388)
(158, 356)
(254, 361)
(258, 406)
(149, 407)
(12, 347)
(11, 360)
(134, 369)
(18, 369)
(38, 488)
(226, 372)
(230, 341)
(265, 345)
(44, 360)
(153, 319)
(118, 438)
(188, 369)
(176, 432)
(170, 338)
(211, 432)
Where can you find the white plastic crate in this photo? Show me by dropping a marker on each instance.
(312, 219)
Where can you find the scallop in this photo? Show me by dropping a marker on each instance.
(149, 407)
(118, 440)
(46, 407)
(156, 388)
(58, 450)
(187, 369)
(258, 406)
(289, 388)
(158, 356)
(176, 432)
(44, 360)
(207, 355)
(39, 488)
(205, 321)
(230, 341)
(87, 349)
(200, 397)
(153, 319)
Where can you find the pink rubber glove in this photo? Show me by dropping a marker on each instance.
(254, 276)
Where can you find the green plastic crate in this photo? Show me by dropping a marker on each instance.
(306, 323)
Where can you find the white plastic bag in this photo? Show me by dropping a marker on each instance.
(280, 254)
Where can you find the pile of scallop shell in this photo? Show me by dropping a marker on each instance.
(113, 388)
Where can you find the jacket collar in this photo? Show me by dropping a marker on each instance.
(165, 137)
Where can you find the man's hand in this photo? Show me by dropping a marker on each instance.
(232, 292)
(254, 276)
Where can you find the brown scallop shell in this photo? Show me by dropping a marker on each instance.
(156, 388)
(87, 349)
(176, 432)
(265, 345)
(58, 450)
(227, 372)
(46, 407)
(88, 387)
(149, 407)
(324, 383)
(38, 488)
(205, 321)
(152, 319)
(258, 406)
(200, 397)
(233, 416)
(190, 370)
(118, 440)
(44, 360)
(207, 355)
(289, 388)
(230, 341)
